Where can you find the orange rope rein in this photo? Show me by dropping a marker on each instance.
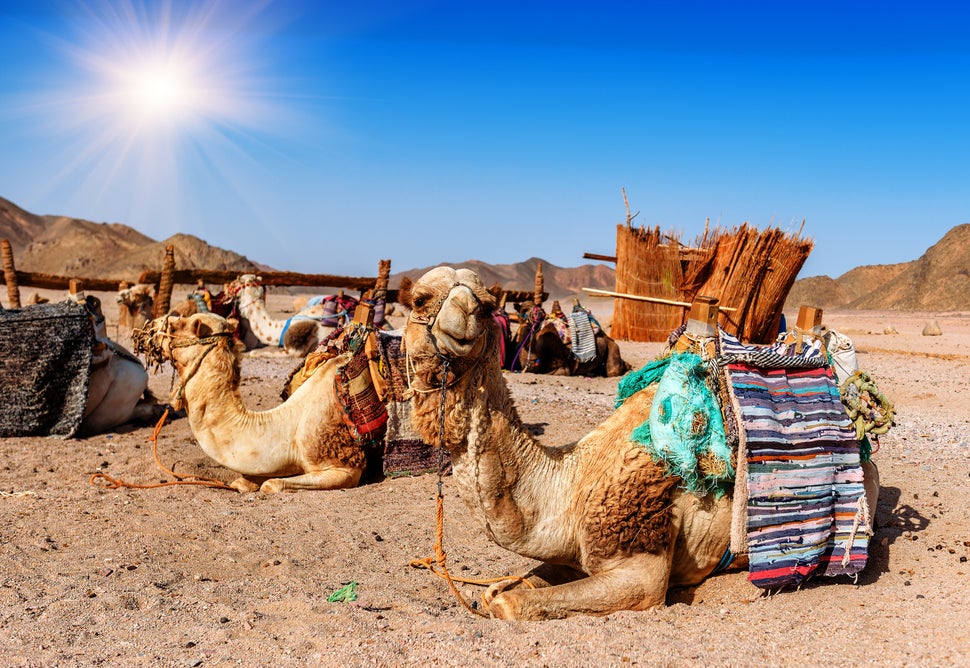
(115, 483)
(440, 559)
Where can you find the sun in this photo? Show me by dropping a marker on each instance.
(159, 91)
(151, 105)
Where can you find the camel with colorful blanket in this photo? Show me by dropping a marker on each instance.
(304, 443)
(295, 336)
(562, 344)
(616, 518)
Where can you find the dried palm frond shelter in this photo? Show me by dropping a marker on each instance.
(749, 271)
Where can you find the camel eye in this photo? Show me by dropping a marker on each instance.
(420, 301)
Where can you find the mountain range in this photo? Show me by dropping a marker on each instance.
(939, 280)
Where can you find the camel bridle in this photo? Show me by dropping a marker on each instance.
(210, 342)
(440, 557)
(446, 360)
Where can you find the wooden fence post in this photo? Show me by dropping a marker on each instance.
(75, 288)
(10, 275)
(539, 287)
(164, 298)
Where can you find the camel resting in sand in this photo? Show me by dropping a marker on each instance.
(118, 386)
(136, 305)
(295, 336)
(303, 443)
(612, 528)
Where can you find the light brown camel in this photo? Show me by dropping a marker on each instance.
(118, 386)
(136, 305)
(303, 443)
(613, 530)
(295, 336)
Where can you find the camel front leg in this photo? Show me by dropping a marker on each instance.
(543, 575)
(637, 583)
(331, 478)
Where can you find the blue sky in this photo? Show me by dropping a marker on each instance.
(322, 136)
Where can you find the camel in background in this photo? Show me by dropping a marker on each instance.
(304, 443)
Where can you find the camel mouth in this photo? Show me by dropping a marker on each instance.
(455, 346)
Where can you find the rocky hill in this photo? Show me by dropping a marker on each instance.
(938, 281)
(74, 247)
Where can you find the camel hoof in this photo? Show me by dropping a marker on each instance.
(272, 486)
(243, 485)
(497, 588)
(503, 606)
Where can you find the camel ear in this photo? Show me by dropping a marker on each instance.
(495, 291)
(233, 324)
(404, 296)
(200, 329)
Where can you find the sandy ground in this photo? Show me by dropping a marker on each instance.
(190, 576)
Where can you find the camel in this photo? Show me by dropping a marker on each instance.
(538, 347)
(221, 304)
(136, 305)
(296, 336)
(612, 529)
(303, 443)
(118, 386)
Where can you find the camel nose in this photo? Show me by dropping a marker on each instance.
(458, 316)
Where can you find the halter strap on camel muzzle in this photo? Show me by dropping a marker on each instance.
(429, 320)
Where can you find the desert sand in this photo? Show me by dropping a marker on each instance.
(195, 576)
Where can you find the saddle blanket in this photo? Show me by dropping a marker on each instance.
(806, 505)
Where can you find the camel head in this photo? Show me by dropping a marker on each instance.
(183, 341)
(246, 289)
(137, 295)
(451, 317)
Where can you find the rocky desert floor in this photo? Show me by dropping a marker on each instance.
(195, 576)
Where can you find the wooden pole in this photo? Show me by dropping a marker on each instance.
(626, 205)
(538, 292)
(10, 275)
(383, 276)
(165, 284)
(655, 300)
(76, 289)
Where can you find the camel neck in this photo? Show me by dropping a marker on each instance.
(496, 461)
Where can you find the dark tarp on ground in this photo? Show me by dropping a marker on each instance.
(45, 364)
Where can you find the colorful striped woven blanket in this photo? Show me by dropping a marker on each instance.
(806, 505)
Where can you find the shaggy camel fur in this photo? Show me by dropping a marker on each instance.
(118, 386)
(301, 444)
(613, 530)
(296, 336)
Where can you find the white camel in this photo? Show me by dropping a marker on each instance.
(295, 336)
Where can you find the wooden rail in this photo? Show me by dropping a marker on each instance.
(14, 279)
